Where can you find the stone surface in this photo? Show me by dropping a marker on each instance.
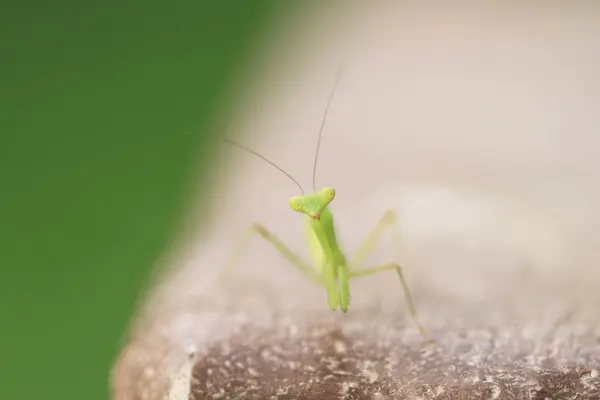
(530, 346)
(326, 364)
(369, 354)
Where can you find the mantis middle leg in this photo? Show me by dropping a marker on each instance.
(388, 221)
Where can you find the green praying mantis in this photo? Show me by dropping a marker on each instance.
(331, 268)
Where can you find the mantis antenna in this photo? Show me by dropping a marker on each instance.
(337, 78)
(267, 160)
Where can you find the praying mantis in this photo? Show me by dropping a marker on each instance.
(331, 269)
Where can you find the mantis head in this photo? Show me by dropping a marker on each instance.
(314, 204)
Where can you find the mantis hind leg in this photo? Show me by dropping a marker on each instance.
(388, 221)
(293, 258)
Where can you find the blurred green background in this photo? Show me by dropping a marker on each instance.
(105, 110)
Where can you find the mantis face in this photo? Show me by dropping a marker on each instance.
(313, 204)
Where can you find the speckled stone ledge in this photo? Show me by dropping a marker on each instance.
(373, 362)
(526, 340)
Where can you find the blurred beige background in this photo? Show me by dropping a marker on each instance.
(478, 125)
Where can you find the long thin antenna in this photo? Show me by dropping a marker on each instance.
(337, 78)
(265, 159)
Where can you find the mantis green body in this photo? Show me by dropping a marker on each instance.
(331, 268)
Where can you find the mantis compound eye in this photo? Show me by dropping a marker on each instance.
(327, 194)
(296, 204)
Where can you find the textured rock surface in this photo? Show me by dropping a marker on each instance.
(367, 354)
(529, 346)
(326, 364)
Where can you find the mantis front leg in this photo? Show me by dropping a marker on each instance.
(292, 257)
(388, 221)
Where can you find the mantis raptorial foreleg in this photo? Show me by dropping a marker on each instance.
(388, 221)
(292, 257)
